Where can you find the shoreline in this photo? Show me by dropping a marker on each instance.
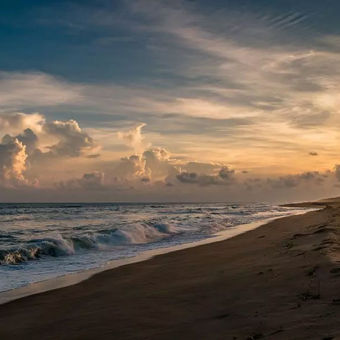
(278, 281)
(70, 279)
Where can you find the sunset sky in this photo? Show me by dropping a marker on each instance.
(169, 100)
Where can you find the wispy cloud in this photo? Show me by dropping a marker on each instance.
(228, 89)
(20, 90)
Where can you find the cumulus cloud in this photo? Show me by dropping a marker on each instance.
(226, 174)
(158, 163)
(224, 177)
(159, 154)
(134, 138)
(337, 171)
(31, 129)
(16, 122)
(154, 169)
(29, 139)
(201, 167)
(12, 161)
(291, 181)
(153, 164)
(89, 181)
(72, 140)
(130, 168)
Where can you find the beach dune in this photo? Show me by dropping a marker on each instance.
(279, 281)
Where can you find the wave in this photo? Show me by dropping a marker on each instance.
(62, 245)
(38, 239)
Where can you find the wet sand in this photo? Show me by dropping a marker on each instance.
(280, 281)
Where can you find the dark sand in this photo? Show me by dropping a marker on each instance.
(280, 281)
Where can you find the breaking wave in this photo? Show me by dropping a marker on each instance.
(41, 241)
(61, 245)
(32, 232)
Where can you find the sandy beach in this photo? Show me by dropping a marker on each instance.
(279, 281)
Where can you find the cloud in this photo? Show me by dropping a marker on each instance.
(72, 140)
(29, 139)
(278, 87)
(89, 181)
(44, 139)
(224, 177)
(134, 138)
(158, 163)
(337, 172)
(291, 181)
(226, 174)
(16, 122)
(250, 66)
(153, 171)
(20, 90)
(130, 168)
(12, 161)
(201, 167)
(152, 163)
(313, 153)
(147, 164)
(95, 155)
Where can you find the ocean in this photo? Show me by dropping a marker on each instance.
(42, 241)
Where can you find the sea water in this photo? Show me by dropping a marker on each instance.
(42, 241)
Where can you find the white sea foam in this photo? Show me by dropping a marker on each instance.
(40, 241)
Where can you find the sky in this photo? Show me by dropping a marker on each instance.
(182, 100)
